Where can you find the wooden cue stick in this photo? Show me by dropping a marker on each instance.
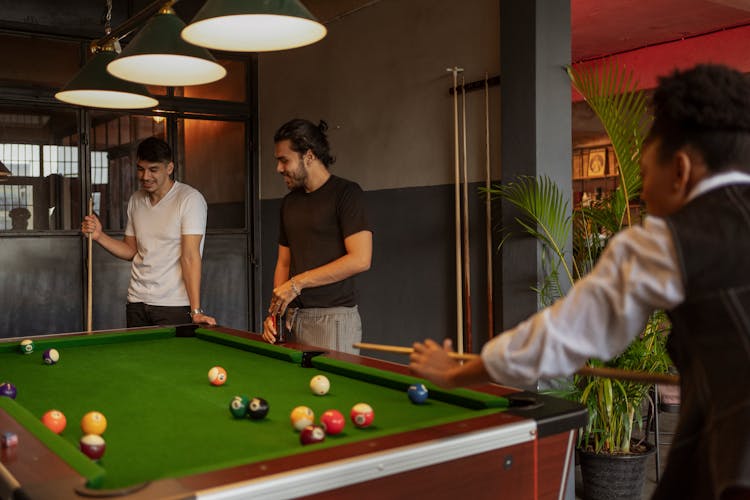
(488, 209)
(588, 371)
(457, 199)
(90, 274)
(467, 256)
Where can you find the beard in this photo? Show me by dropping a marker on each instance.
(295, 179)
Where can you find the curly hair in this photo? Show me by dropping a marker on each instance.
(304, 136)
(707, 108)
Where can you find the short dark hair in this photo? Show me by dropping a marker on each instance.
(304, 135)
(154, 149)
(707, 108)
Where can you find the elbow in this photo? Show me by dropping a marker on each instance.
(364, 264)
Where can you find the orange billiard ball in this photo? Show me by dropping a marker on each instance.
(94, 423)
(217, 375)
(55, 421)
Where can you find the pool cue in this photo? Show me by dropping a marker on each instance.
(467, 256)
(586, 371)
(457, 198)
(488, 209)
(90, 277)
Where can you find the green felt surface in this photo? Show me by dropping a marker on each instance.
(166, 420)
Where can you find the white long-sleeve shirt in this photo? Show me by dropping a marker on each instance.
(637, 273)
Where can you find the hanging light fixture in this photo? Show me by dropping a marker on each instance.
(5, 172)
(253, 25)
(92, 86)
(159, 56)
(96, 88)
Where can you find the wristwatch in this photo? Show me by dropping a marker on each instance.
(195, 311)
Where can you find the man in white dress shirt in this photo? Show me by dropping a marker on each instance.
(691, 257)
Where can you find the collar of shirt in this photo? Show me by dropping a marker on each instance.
(719, 180)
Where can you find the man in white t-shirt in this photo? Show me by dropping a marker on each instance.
(163, 239)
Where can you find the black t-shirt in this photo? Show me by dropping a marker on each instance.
(314, 226)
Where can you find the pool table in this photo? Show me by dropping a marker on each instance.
(170, 433)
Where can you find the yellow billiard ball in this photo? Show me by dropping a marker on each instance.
(94, 423)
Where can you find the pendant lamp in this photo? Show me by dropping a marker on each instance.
(159, 56)
(253, 25)
(94, 87)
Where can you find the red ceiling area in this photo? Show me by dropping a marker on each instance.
(605, 27)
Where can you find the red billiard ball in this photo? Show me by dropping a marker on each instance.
(332, 422)
(92, 445)
(55, 421)
(362, 415)
(217, 375)
(312, 434)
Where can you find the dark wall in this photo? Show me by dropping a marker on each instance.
(40, 285)
(410, 291)
(42, 292)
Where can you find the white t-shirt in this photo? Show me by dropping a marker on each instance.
(156, 274)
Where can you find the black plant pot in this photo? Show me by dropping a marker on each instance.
(613, 477)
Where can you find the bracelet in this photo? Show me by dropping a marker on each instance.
(195, 311)
(294, 287)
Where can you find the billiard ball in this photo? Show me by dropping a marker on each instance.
(332, 422)
(8, 439)
(301, 417)
(51, 356)
(417, 393)
(312, 434)
(26, 346)
(94, 423)
(55, 421)
(257, 408)
(319, 385)
(8, 390)
(362, 415)
(217, 375)
(238, 406)
(92, 445)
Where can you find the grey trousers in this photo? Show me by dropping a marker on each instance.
(334, 328)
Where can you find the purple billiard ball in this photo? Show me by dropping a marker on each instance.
(51, 356)
(8, 390)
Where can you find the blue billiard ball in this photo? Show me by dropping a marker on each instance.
(8, 390)
(417, 393)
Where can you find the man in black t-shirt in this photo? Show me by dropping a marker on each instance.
(324, 241)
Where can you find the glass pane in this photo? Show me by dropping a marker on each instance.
(40, 148)
(232, 87)
(114, 142)
(213, 159)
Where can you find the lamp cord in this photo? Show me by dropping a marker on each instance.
(108, 18)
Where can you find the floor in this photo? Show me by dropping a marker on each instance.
(667, 423)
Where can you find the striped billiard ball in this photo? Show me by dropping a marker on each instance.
(51, 356)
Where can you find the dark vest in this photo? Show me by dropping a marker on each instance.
(710, 346)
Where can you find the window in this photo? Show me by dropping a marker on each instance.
(40, 148)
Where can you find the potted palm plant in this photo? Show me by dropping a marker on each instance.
(614, 406)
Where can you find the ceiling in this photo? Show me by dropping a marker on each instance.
(604, 27)
(601, 28)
